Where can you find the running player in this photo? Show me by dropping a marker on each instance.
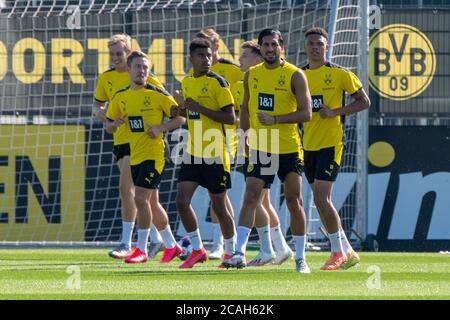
(232, 74)
(139, 109)
(276, 99)
(108, 84)
(207, 103)
(324, 138)
(265, 212)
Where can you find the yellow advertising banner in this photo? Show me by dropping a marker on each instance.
(42, 182)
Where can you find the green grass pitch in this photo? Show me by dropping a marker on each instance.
(53, 274)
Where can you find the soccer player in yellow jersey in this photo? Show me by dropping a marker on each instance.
(140, 109)
(324, 138)
(276, 99)
(207, 103)
(266, 219)
(108, 84)
(232, 73)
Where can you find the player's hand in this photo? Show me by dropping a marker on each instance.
(174, 111)
(178, 96)
(326, 112)
(154, 131)
(100, 114)
(192, 105)
(120, 120)
(266, 119)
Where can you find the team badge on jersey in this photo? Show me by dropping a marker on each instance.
(255, 86)
(205, 88)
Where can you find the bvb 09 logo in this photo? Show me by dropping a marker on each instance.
(402, 62)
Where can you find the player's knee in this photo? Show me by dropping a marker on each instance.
(320, 200)
(154, 204)
(293, 199)
(219, 205)
(126, 192)
(141, 201)
(183, 203)
(251, 197)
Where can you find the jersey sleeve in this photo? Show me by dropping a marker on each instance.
(239, 75)
(155, 81)
(224, 96)
(167, 103)
(351, 83)
(184, 88)
(237, 90)
(113, 111)
(100, 93)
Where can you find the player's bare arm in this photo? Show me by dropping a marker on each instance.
(303, 113)
(179, 110)
(111, 126)
(173, 123)
(244, 115)
(99, 110)
(360, 102)
(226, 115)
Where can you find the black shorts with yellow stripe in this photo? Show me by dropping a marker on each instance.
(264, 166)
(323, 164)
(121, 150)
(211, 176)
(145, 175)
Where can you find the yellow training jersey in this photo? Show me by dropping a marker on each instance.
(237, 90)
(231, 72)
(207, 136)
(144, 108)
(111, 81)
(270, 92)
(327, 85)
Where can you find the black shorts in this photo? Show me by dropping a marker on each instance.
(244, 167)
(323, 164)
(121, 150)
(145, 175)
(264, 166)
(213, 177)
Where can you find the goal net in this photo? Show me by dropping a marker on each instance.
(58, 182)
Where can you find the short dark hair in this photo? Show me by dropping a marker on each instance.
(269, 32)
(253, 46)
(316, 30)
(197, 43)
(135, 54)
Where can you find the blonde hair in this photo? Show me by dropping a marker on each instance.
(209, 34)
(120, 38)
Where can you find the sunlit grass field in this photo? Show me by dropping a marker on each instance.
(91, 274)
